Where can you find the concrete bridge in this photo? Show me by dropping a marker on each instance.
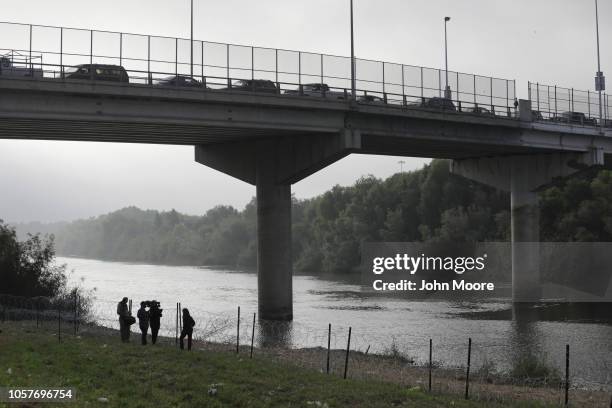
(272, 140)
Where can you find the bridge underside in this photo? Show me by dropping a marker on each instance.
(273, 141)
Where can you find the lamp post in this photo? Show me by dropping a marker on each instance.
(191, 41)
(353, 83)
(401, 163)
(447, 90)
(600, 80)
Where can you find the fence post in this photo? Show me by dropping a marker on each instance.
(383, 77)
(37, 317)
(59, 326)
(238, 333)
(422, 92)
(566, 375)
(176, 312)
(253, 335)
(75, 313)
(299, 67)
(91, 47)
(176, 57)
(589, 102)
(149, 76)
(120, 49)
(322, 71)
(227, 62)
(467, 372)
(430, 362)
(180, 318)
(202, 55)
(31, 67)
(328, 345)
(348, 347)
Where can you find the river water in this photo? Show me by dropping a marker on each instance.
(213, 295)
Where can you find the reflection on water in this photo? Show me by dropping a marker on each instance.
(212, 296)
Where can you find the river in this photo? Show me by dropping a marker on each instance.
(213, 295)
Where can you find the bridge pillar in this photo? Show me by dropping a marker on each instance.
(272, 165)
(274, 261)
(522, 176)
(525, 236)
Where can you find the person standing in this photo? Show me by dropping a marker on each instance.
(155, 314)
(124, 315)
(188, 324)
(143, 322)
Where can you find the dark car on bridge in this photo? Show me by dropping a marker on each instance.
(179, 81)
(444, 104)
(318, 89)
(254, 85)
(575, 118)
(371, 99)
(479, 110)
(98, 72)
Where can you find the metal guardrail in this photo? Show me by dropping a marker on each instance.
(52, 50)
(569, 105)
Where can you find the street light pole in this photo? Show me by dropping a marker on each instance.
(600, 84)
(353, 86)
(191, 40)
(447, 91)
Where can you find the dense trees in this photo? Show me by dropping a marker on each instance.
(27, 268)
(425, 205)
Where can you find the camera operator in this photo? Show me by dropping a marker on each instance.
(143, 321)
(155, 313)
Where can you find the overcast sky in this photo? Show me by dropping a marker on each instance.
(548, 41)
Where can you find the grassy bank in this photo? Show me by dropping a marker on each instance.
(129, 375)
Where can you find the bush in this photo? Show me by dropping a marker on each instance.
(534, 370)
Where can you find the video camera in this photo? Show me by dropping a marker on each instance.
(153, 304)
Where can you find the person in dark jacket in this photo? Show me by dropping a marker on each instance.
(155, 314)
(188, 324)
(124, 315)
(143, 322)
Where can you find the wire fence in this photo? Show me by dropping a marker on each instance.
(569, 105)
(337, 350)
(47, 52)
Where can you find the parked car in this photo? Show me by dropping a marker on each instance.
(254, 85)
(479, 110)
(536, 115)
(98, 72)
(371, 99)
(444, 104)
(17, 65)
(317, 89)
(575, 117)
(180, 81)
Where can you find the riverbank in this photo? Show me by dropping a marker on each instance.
(98, 366)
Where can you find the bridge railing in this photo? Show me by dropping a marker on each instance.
(53, 51)
(569, 105)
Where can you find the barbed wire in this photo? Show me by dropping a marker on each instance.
(378, 357)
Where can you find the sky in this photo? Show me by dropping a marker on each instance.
(546, 41)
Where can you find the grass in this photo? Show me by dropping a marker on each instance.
(130, 375)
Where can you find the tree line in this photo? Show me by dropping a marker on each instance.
(429, 204)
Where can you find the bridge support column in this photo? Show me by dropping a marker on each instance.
(522, 176)
(525, 236)
(272, 165)
(274, 261)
